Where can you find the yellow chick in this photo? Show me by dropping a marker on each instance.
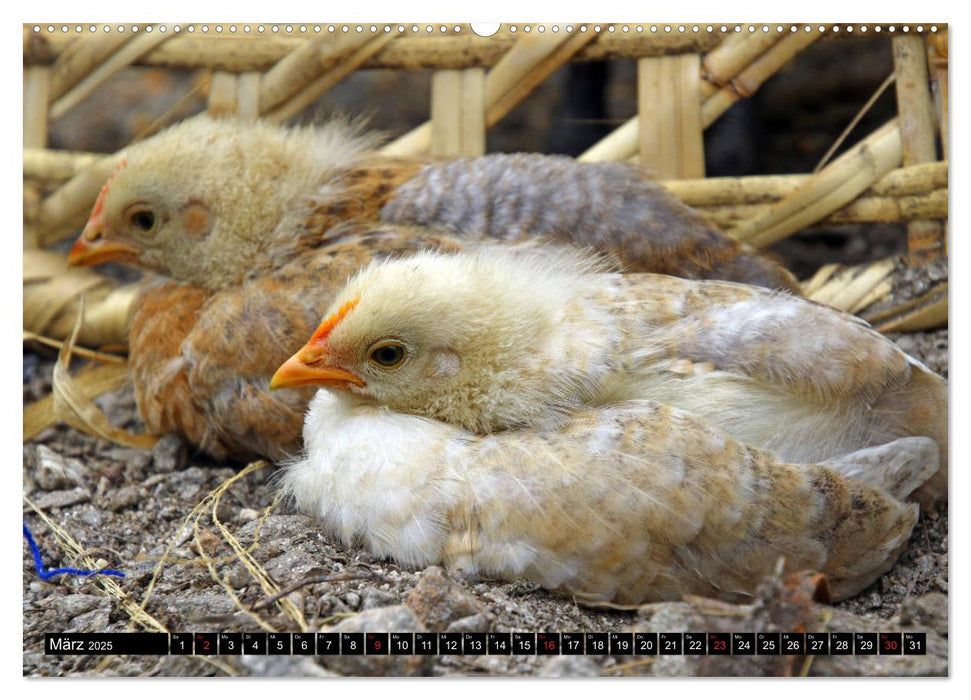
(503, 339)
(631, 502)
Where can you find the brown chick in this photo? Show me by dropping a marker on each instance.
(502, 338)
(631, 502)
(252, 228)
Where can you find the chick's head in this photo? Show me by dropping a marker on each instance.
(464, 338)
(198, 201)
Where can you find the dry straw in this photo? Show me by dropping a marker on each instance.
(73, 406)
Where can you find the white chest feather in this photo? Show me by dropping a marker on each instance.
(376, 477)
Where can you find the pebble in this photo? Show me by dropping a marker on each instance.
(62, 499)
(376, 598)
(473, 623)
(247, 515)
(76, 604)
(120, 499)
(169, 454)
(438, 600)
(54, 471)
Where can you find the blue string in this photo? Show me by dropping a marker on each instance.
(39, 564)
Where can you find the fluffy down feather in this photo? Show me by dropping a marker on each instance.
(631, 502)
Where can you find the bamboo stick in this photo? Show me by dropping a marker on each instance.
(505, 90)
(37, 84)
(724, 62)
(863, 210)
(248, 94)
(36, 100)
(834, 187)
(749, 80)
(121, 59)
(73, 198)
(938, 60)
(89, 53)
(847, 289)
(669, 105)
(347, 64)
(446, 112)
(623, 142)
(222, 94)
(473, 112)
(530, 60)
(260, 53)
(822, 276)
(458, 112)
(925, 239)
(620, 144)
(925, 312)
(759, 189)
(418, 140)
(876, 294)
(296, 69)
(53, 165)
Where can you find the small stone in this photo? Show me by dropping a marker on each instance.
(92, 621)
(135, 460)
(120, 499)
(169, 454)
(473, 623)
(238, 576)
(438, 600)
(376, 598)
(353, 600)
(55, 471)
(247, 515)
(62, 499)
(77, 604)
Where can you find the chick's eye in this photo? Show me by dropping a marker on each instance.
(387, 355)
(144, 219)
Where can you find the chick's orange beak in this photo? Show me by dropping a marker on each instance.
(309, 368)
(92, 248)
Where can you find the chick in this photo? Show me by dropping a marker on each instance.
(252, 228)
(631, 502)
(213, 202)
(500, 339)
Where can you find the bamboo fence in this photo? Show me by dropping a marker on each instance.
(687, 77)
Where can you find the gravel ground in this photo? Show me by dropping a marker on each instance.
(128, 509)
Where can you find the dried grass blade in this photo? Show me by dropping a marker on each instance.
(91, 381)
(72, 406)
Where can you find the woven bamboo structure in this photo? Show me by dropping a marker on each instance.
(687, 77)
